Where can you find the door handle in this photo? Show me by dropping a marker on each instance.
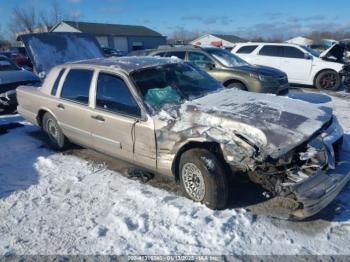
(98, 118)
(60, 106)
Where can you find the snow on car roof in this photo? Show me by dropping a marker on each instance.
(128, 64)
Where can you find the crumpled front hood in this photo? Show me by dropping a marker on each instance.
(8, 77)
(275, 124)
(336, 51)
(262, 70)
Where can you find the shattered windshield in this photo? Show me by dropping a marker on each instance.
(226, 58)
(173, 84)
(7, 65)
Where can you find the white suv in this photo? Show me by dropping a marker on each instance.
(302, 64)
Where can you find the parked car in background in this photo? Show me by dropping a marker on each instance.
(229, 69)
(11, 76)
(170, 117)
(7, 54)
(319, 48)
(302, 64)
(18, 50)
(20, 57)
(110, 52)
(327, 43)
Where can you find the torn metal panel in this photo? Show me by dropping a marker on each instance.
(242, 123)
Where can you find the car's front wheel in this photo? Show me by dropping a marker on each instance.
(203, 178)
(328, 80)
(56, 137)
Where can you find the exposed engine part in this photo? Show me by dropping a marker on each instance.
(281, 177)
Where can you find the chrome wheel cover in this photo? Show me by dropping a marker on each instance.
(52, 130)
(193, 181)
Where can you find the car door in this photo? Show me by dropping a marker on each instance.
(120, 129)
(72, 108)
(296, 64)
(269, 55)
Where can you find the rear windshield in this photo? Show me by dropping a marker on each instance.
(7, 65)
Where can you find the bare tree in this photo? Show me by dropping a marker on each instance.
(23, 20)
(30, 20)
(183, 35)
(51, 17)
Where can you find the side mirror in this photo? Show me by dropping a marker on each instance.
(209, 66)
(307, 56)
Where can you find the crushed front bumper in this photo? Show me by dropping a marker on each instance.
(319, 190)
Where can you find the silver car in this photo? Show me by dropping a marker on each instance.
(170, 117)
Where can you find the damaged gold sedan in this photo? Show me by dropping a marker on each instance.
(170, 117)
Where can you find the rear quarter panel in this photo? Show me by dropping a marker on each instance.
(31, 100)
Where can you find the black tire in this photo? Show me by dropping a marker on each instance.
(328, 80)
(237, 85)
(56, 137)
(212, 174)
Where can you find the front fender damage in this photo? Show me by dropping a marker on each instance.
(315, 174)
(245, 148)
(237, 142)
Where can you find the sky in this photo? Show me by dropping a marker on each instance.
(268, 18)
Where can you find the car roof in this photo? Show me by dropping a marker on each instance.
(267, 43)
(127, 64)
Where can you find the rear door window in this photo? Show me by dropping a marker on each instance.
(77, 85)
(57, 81)
(271, 50)
(292, 52)
(113, 94)
(246, 49)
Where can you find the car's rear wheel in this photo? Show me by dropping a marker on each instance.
(56, 137)
(203, 178)
(236, 85)
(328, 80)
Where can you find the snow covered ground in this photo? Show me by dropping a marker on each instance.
(57, 203)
